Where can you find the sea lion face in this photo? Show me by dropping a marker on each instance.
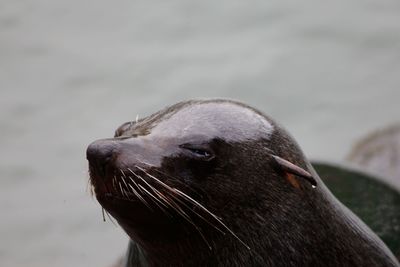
(186, 166)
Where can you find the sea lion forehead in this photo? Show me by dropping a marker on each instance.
(227, 120)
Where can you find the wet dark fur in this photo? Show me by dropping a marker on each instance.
(281, 224)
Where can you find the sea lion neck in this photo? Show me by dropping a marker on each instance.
(192, 251)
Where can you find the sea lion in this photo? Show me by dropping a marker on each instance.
(218, 183)
(379, 153)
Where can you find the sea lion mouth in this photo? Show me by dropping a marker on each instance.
(130, 185)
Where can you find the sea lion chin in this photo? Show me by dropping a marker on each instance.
(218, 183)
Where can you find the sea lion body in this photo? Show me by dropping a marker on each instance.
(379, 153)
(218, 183)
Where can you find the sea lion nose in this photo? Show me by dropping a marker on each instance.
(99, 154)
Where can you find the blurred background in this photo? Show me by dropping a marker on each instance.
(72, 71)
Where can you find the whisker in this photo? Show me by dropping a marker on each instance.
(176, 207)
(182, 213)
(194, 202)
(162, 199)
(133, 181)
(140, 197)
(126, 194)
(166, 174)
(88, 185)
(211, 214)
(92, 191)
(102, 212)
(188, 219)
(114, 180)
(172, 190)
(152, 197)
(123, 180)
(122, 191)
(159, 195)
(111, 219)
(199, 215)
(137, 176)
(157, 180)
(150, 186)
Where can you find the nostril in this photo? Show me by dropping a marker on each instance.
(99, 155)
(100, 149)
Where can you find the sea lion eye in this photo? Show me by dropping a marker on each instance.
(199, 152)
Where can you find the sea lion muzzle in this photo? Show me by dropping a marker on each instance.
(99, 154)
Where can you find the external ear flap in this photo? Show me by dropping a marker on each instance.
(293, 169)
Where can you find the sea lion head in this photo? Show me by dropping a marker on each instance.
(198, 169)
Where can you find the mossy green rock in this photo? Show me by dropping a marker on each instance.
(376, 203)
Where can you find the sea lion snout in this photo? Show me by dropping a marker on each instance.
(99, 154)
(110, 157)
